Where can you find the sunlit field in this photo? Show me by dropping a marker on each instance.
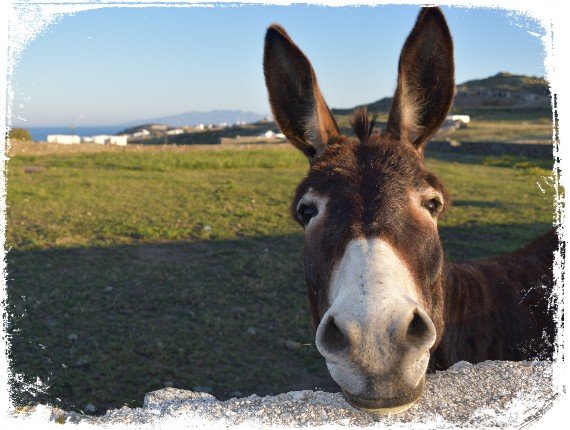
(134, 269)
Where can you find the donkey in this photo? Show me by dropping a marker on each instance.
(385, 304)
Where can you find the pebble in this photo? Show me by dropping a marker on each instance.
(251, 331)
(72, 337)
(34, 169)
(291, 344)
(90, 408)
(82, 361)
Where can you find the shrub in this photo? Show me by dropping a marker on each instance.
(20, 134)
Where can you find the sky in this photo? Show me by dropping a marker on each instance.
(113, 65)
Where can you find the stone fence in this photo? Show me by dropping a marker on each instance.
(530, 150)
(493, 394)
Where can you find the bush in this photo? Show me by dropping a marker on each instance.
(20, 134)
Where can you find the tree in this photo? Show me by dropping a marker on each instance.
(20, 134)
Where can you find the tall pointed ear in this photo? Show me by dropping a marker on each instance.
(296, 101)
(426, 84)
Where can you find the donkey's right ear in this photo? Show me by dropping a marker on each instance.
(425, 81)
(296, 101)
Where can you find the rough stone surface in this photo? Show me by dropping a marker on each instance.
(493, 394)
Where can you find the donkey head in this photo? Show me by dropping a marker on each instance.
(373, 257)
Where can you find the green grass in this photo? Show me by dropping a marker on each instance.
(113, 198)
(505, 131)
(161, 262)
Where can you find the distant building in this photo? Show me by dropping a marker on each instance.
(269, 134)
(101, 139)
(104, 139)
(141, 133)
(460, 118)
(280, 136)
(118, 140)
(175, 131)
(66, 139)
(200, 127)
(87, 139)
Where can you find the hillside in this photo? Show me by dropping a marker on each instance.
(504, 81)
(198, 117)
(503, 90)
(147, 126)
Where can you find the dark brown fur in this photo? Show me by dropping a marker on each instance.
(498, 309)
(492, 309)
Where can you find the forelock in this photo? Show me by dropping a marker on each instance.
(362, 125)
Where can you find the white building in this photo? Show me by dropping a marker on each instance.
(104, 139)
(175, 131)
(86, 139)
(118, 140)
(200, 127)
(461, 118)
(141, 133)
(66, 139)
(101, 139)
(269, 134)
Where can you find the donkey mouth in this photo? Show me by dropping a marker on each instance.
(381, 405)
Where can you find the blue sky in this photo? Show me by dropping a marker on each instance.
(112, 65)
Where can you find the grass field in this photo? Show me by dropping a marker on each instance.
(131, 270)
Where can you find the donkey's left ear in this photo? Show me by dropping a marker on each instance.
(426, 85)
(296, 101)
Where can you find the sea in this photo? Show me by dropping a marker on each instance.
(40, 133)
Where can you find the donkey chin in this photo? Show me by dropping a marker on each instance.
(375, 336)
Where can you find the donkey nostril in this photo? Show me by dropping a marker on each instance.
(333, 338)
(418, 327)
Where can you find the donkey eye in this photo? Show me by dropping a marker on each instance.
(433, 206)
(306, 212)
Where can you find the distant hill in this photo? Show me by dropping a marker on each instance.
(504, 81)
(148, 126)
(195, 118)
(501, 90)
(504, 90)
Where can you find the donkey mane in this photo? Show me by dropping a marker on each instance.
(362, 125)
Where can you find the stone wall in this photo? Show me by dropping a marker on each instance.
(492, 148)
(493, 394)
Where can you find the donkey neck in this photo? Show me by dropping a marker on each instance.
(495, 308)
